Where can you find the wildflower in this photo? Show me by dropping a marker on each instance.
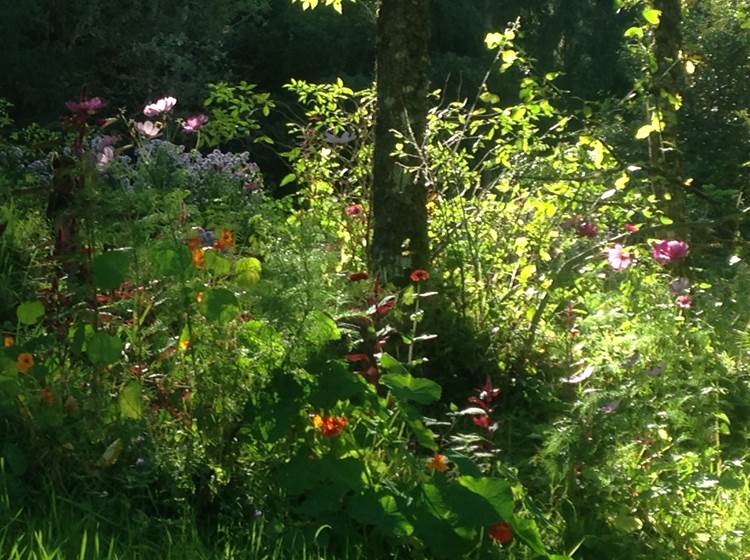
(199, 297)
(437, 463)
(631, 228)
(163, 105)
(85, 106)
(419, 275)
(354, 210)
(358, 276)
(679, 285)
(24, 362)
(684, 301)
(667, 252)
(226, 240)
(198, 258)
(618, 259)
(148, 128)
(329, 426)
(104, 158)
(587, 229)
(8, 341)
(192, 124)
(501, 532)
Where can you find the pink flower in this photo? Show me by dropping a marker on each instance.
(619, 259)
(104, 158)
(354, 210)
(587, 229)
(666, 252)
(85, 106)
(684, 301)
(631, 228)
(192, 124)
(148, 128)
(162, 105)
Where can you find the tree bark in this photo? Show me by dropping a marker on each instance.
(665, 153)
(400, 242)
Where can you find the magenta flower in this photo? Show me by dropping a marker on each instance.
(684, 301)
(85, 106)
(666, 252)
(163, 105)
(618, 258)
(587, 229)
(148, 128)
(354, 210)
(192, 124)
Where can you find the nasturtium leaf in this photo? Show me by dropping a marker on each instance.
(131, 405)
(526, 530)
(103, 349)
(110, 269)
(30, 312)
(424, 436)
(248, 271)
(409, 388)
(170, 262)
(216, 264)
(495, 491)
(219, 305)
(456, 504)
(442, 539)
(382, 512)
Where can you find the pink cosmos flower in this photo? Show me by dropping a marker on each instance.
(684, 301)
(354, 210)
(148, 128)
(85, 106)
(192, 124)
(160, 106)
(618, 258)
(666, 252)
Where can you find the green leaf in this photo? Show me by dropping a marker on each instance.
(651, 15)
(634, 32)
(216, 264)
(220, 305)
(497, 492)
(131, 405)
(30, 312)
(110, 269)
(409, 388)
(320, 328)
(103, 349)
(288, 179)
(170, 262)
(248, 271)
(457, 505)
(382, 512)
(644, 132)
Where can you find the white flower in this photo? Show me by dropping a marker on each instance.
(162, 105)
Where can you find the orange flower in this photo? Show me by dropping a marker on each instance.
(199, 297)
(194, 243)
(419, 275)
(437, 463)
(227, 239)
(184, 344)
(501, 532)
(24, 362)
(8, 341)
(198, 258)
(329, 426)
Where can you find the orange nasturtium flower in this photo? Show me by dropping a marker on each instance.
(24, 362)
(329, 426)
(8, 341)
(199, 297)
(437, 463)
(226, 239)
(194, 243)
(198, 258)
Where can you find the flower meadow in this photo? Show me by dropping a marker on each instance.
(195, 366)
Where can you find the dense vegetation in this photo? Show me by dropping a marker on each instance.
(212, 347)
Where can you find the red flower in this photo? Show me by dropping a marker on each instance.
(329, 426)
(357, 358)
(501, 532)
(385, 305)
(358, 277)
(482, 421)
(354, 210)
(419, 275)
(631, 228)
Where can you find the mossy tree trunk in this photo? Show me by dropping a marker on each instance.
(400, 242)
(664, 147)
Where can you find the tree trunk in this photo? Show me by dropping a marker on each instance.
(665, 154)
(400, 242)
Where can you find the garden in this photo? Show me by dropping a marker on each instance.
(456, 293)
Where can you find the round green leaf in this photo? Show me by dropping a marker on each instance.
(103, 349)
(30, 312)
(110, 269)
